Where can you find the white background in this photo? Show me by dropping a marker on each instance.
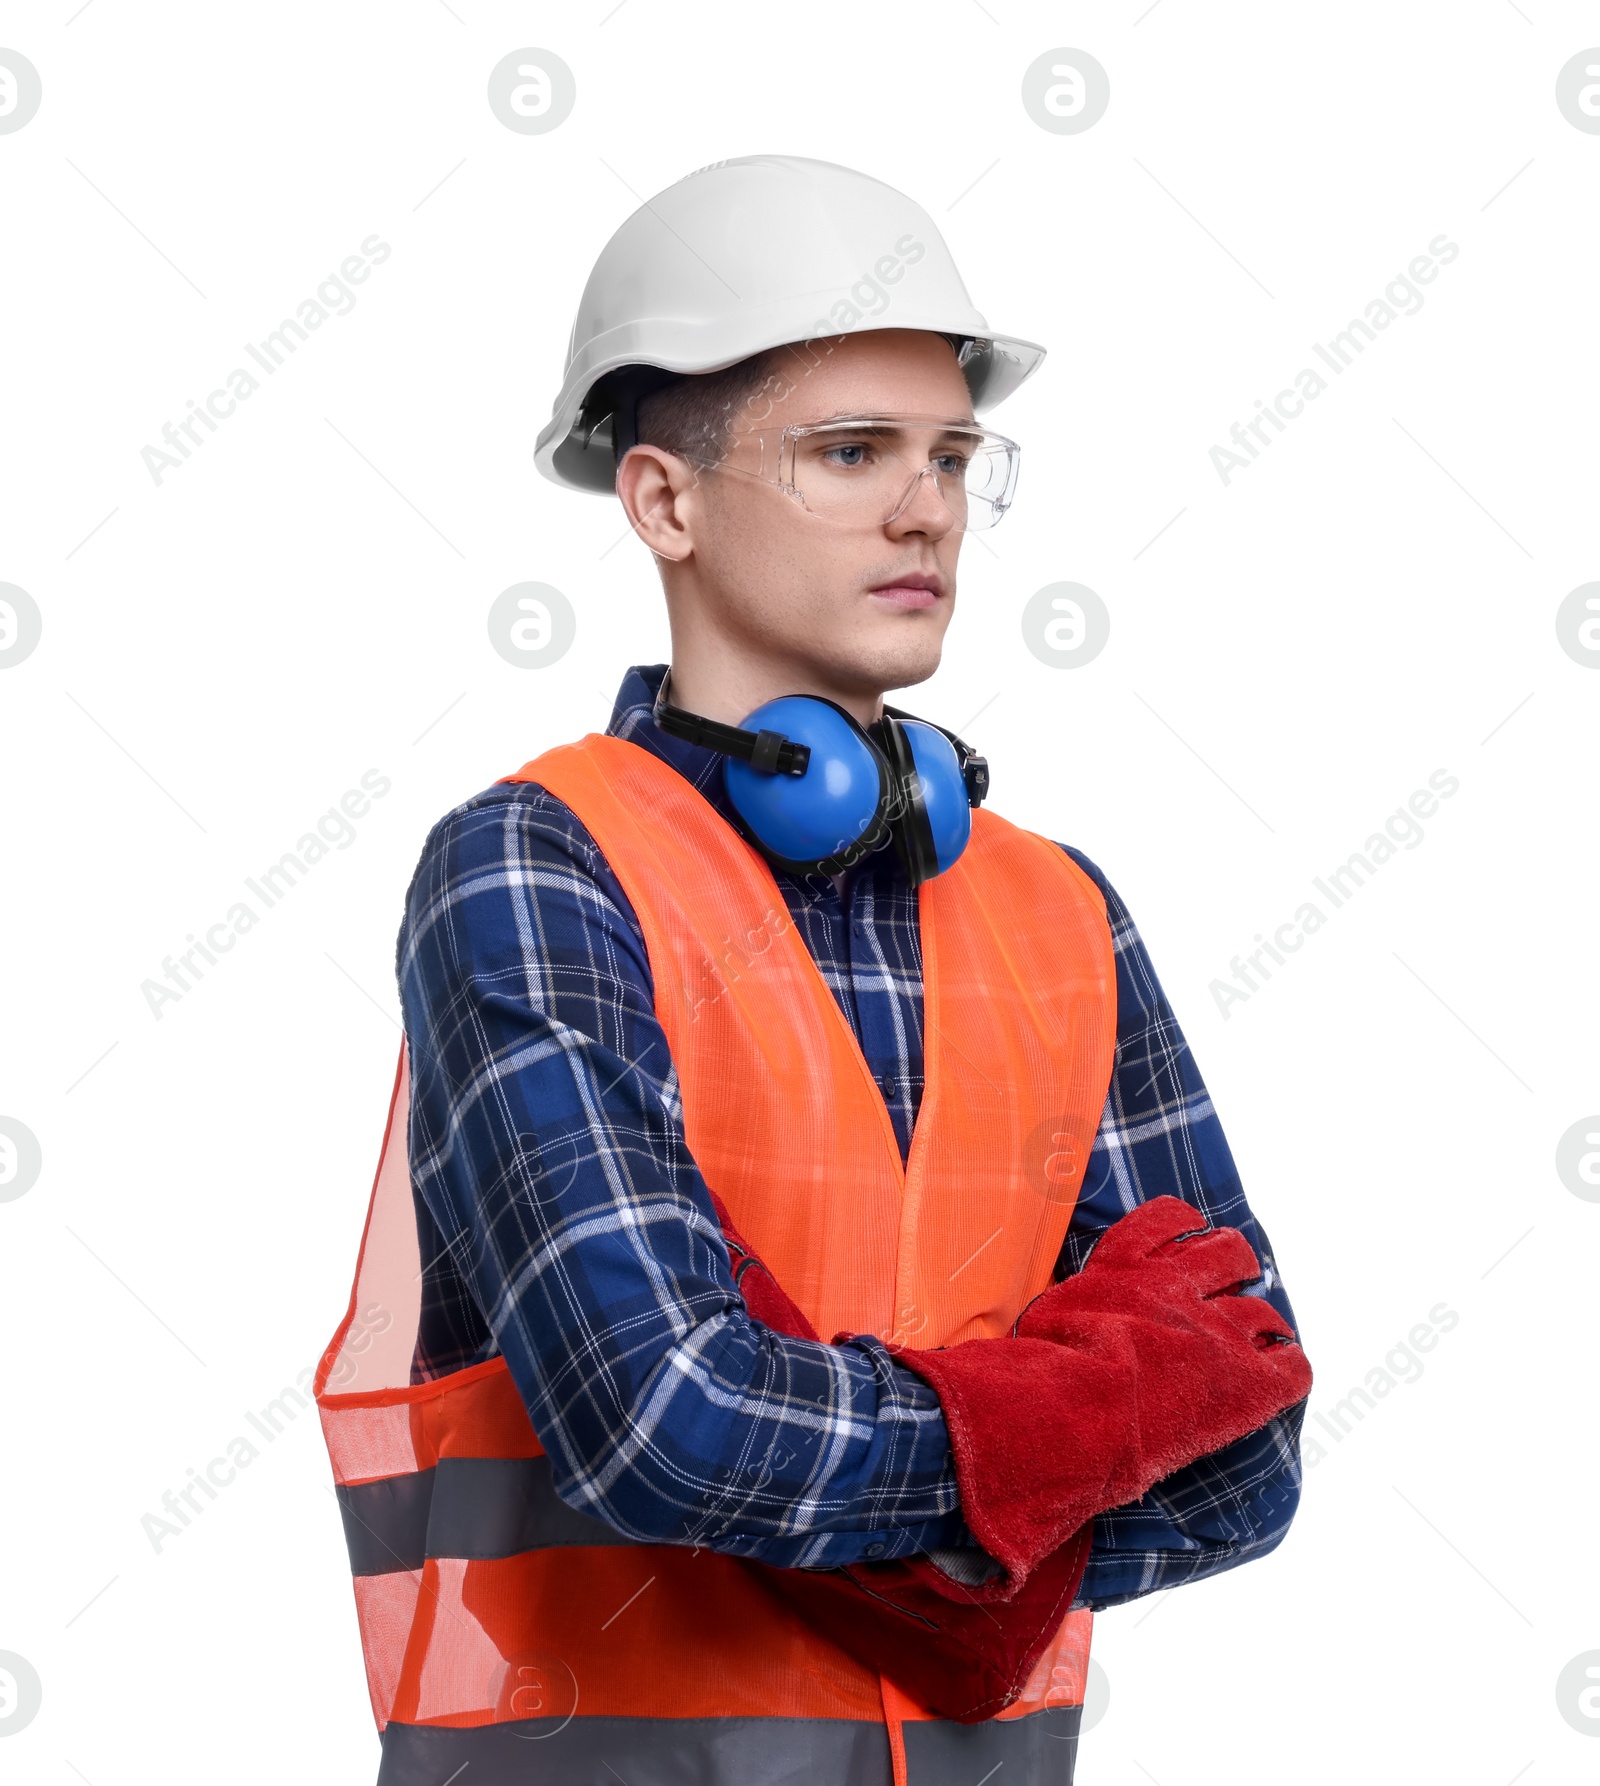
(1297, 652)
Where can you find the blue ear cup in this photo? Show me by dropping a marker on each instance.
(946, 807)
(833, 814)
(815, 791)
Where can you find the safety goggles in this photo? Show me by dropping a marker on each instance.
(866, 470)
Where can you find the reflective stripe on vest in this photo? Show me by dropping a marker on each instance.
(1040, 1750)
(492, 1614)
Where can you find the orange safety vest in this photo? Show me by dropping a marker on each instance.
(505, 1631)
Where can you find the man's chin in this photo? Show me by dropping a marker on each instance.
(898, 663)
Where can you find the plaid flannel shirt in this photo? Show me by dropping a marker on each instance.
(564, 1223)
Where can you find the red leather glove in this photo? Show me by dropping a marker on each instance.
(963, 1652)
(1115, 1377)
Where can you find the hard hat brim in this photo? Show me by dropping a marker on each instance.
(580, 457)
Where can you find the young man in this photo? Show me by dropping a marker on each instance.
(812, 1277)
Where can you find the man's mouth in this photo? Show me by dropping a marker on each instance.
(918, 590)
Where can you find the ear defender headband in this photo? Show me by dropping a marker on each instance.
(815, 791)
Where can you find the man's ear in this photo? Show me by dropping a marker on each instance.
(656, 489)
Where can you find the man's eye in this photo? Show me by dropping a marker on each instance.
(852, 454)
(952, 464)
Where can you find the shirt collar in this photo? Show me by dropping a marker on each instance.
(630, 719)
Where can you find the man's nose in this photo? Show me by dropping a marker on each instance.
(922, 509)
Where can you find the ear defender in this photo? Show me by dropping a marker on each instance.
(815, 791)
(936, 820)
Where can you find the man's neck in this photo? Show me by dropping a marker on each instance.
(727, 686)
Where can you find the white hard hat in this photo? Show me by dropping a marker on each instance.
(750, 254)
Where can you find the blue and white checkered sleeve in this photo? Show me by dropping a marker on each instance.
(1159, 1136)
(548, 1150)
